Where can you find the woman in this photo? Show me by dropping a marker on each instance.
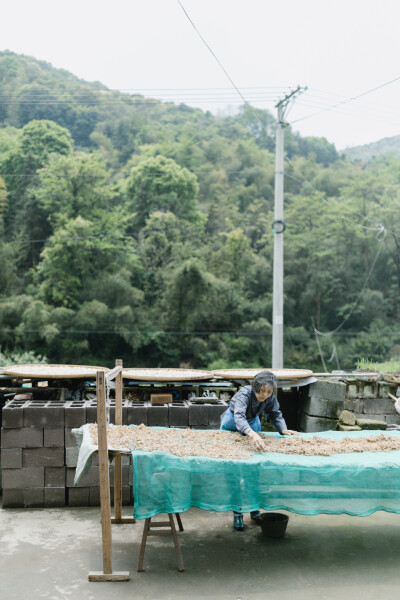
(243, 415)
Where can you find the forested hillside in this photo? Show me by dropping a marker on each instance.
(138, 229)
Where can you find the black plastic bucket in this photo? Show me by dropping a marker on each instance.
(273, 525)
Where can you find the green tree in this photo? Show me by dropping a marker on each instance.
(161, 184)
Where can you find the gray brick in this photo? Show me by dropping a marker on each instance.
(125, 475)
(11, 458)
(54, 496)
(178, 414)
(34, 498)
(71, 457)
(11, 438)
(214, 413)
(13, 415)
(314, 424)
(353, 404)
(42, 457)
(78, 496)
(91, 411)
(75, 414)
(32, 477)
(157, 415)
(53, 438)
(137, 414)
(89, 480)
(70, 440)
(32, 437)
(54, 477)
(329, 390)
(373, 424)
(322, 407)
(48, 414)
(94, 496)
(379, 406)
(13, 498)
(198, 414)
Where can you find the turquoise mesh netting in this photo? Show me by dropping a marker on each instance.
(356, 484)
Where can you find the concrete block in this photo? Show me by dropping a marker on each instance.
(32, 437)
(11, 458)
(379, 406)
(198, 414)
(137, 414)
(75, 413)
(178, 414)
(13, 415)
(69, 438)
(214, 414)
(13, 498)
(34, 498)
(42, 457)
(157, 415)
(78, 496)
(54, 477)
(329, 390)
(32, 477)
(91, 411)
(53, 438)
(54, 496)
(371, 424)
(89, 480)
(353, 405)
(322, 407)
(95, 496)
(310, 424)
(342, 427)
(125, 475)
(11, 438)
(393, 419)
(43, 414)
(71, 457)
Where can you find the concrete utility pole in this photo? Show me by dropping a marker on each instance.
(278, 228)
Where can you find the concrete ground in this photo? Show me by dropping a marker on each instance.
(48, 554)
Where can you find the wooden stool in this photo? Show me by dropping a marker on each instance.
(148, 525)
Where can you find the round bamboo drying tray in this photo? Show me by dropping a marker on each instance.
(284, 374)
(53, 371)
(166, 374)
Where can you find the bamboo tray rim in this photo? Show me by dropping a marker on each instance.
(166, 374)
(33, 371)
(285, 374)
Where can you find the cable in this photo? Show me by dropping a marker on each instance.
(351, 99)
(328, 333)
(219, 62)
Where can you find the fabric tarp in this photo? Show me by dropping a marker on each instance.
(356, 483)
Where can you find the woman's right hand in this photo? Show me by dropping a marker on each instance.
(256, 440)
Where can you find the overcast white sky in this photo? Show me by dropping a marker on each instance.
(338, 48)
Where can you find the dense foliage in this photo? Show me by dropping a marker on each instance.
(135, 229)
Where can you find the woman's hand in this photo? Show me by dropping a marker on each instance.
(256, 440)
(289, 432)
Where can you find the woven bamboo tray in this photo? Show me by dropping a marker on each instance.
(53, 371)
(166, 374)
(285, 374)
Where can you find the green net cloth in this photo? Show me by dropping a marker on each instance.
(356, 484)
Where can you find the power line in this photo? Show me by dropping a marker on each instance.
(351, 99)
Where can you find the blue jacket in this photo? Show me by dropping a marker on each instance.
(245, 406)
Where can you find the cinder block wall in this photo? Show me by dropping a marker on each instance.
(323, 401)
(39, 453)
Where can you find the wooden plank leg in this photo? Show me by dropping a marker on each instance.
(179, 521)
(105, 504)
(176, 542)
(143, 544)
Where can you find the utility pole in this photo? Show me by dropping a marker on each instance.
(278, 228)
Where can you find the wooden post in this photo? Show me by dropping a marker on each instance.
(105, 504)
(118, 518)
